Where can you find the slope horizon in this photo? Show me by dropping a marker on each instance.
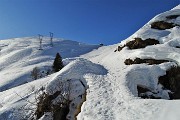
(86, 21)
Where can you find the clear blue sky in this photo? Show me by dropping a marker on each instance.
(89, 21)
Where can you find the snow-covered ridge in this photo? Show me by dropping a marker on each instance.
(177, 7)
(144, 75)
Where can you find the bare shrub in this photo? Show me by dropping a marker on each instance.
(56, 103)
(35, 74)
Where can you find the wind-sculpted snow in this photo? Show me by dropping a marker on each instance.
(76, 70)
(146, 75)
(74, 76)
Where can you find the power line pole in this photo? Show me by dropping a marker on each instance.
(40, 41)
(51, 38)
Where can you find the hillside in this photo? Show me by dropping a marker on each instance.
(109, 83)
(20, 55)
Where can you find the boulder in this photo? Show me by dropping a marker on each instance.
(171, 81)
(138, 43)
(147, 61)
(162, 25)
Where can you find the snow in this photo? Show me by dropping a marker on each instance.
(116, 93)
(75, 71)
(177, 7)
(110, 85)
(22, 55)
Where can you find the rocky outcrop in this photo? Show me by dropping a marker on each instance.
(147, 61)
(138, 43)
(172, 16)
(146, 93)
(171, 81)
(162, 25)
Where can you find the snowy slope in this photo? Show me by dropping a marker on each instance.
(118, 97)
(20, 55)
(111, 85)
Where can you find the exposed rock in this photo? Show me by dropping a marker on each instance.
(171, 81)
(128, 62)
(119, 48)
(142, 89)
(140, 61)
(172, 16)
(78, 108)
(138, 43)
(146, 93)
(162, 25)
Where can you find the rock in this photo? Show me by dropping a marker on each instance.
(172, 16)
(146, 93)
(147, 61)
(128, 62)
(162, 25)
(171, 81)
(138, 43)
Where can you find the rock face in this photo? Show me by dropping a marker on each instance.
(140, 61)
(146, 93)
(171, 81)
(162, 25)
(172, 16)
(138, 43)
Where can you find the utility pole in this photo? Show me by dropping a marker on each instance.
(40, 41)
(51, 38)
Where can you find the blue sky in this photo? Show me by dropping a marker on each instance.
(88, 21)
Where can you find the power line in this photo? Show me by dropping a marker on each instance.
(40, 41)
(51, 38)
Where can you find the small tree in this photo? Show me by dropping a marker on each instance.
(58, 64)
(35, 74)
